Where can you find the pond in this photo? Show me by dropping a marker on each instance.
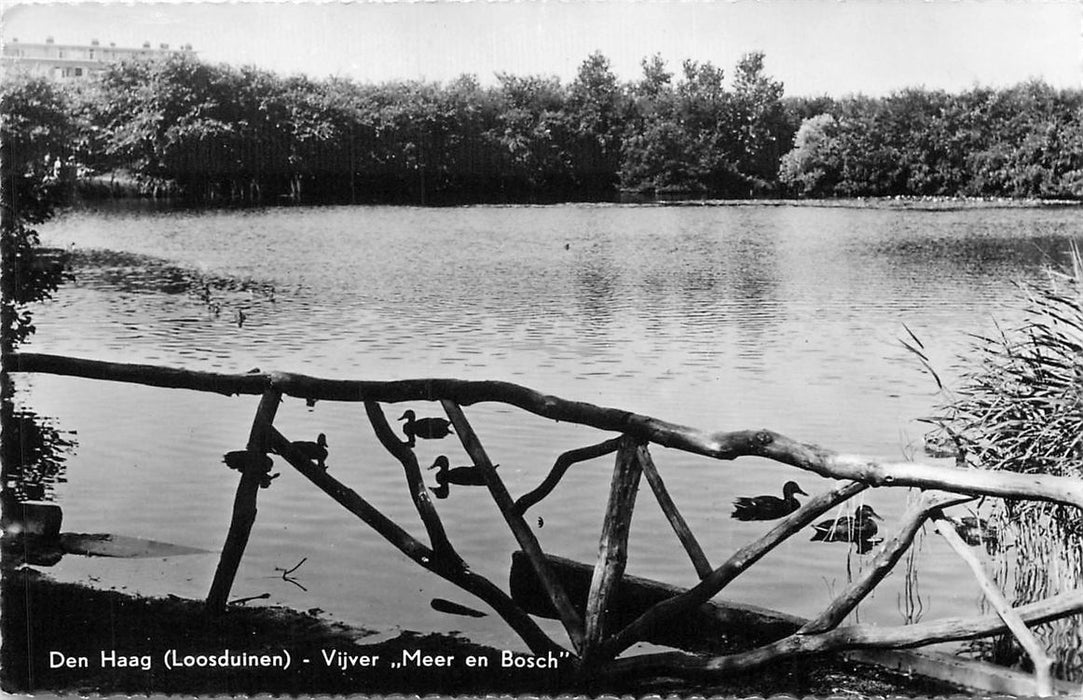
(720, 317)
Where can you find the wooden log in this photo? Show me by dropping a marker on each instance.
(668, 611)
(712, 626)
(852, 637)
(244, 506)
(890, 553)
(534, 637)
(669, 508)
(613, 546)
(725, 626)
(572, 621)
(718, 445)
(419, 493)
(1041, 661)
(562, 464)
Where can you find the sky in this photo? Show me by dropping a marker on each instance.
(815, 47)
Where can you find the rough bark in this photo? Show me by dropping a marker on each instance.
(466, 579)
(718, 445)
(670, 611)
(573, 623)
(1040, 659)
(562, 465)
(613, 546)
(419, 493)
(244, 506)
(676, 521)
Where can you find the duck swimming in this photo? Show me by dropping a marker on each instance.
(315, 451)
(428, 428)
(461, 476)
(976, 532)
(858, 528)
(768, 507)
(240, 459)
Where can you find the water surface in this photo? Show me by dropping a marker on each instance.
(719, 317)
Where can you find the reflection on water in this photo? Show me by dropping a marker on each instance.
(716, 317)
(1038, 553)
(35, 450)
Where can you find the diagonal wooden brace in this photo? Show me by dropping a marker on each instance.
(569, 617)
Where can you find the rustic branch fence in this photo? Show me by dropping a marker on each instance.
(596, 642)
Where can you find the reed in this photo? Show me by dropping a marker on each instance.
(1018, 406)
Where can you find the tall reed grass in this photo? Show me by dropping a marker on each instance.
(1018, 406)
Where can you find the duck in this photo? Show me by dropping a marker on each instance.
(976, 531)
(315, 451)
(768, 507)
(428, 428)
(461, 476)
(241, 459)
(857, 528)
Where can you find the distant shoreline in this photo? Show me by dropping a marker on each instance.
(97, 194)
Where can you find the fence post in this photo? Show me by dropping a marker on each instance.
(244, 505)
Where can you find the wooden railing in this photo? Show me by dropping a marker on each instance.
(594, 645)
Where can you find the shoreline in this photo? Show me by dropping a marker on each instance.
(618, 199)
(135, 634)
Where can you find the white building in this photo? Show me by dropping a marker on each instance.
(75, 61)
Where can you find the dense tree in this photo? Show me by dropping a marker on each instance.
(598, 106)
(1015, 142)
(656, 152)
(758, 121)
(211, 131)
(535, 130)
(812, 167)
(35, 160)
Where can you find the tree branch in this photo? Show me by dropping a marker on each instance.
(669, 611)
(419, 493)
(719, 445)
(684, 533)
(851, 637)
(571, 620)
(1038, 656)
(613, 546)
(562, 464)
(473, 583)
(882, 564)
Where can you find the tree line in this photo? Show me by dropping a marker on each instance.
(208, 132)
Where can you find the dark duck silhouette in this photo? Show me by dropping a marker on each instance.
(768, 507)
(461, 476)
(315, 451)
(858, 528)
(428, 428)
(240, 459)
